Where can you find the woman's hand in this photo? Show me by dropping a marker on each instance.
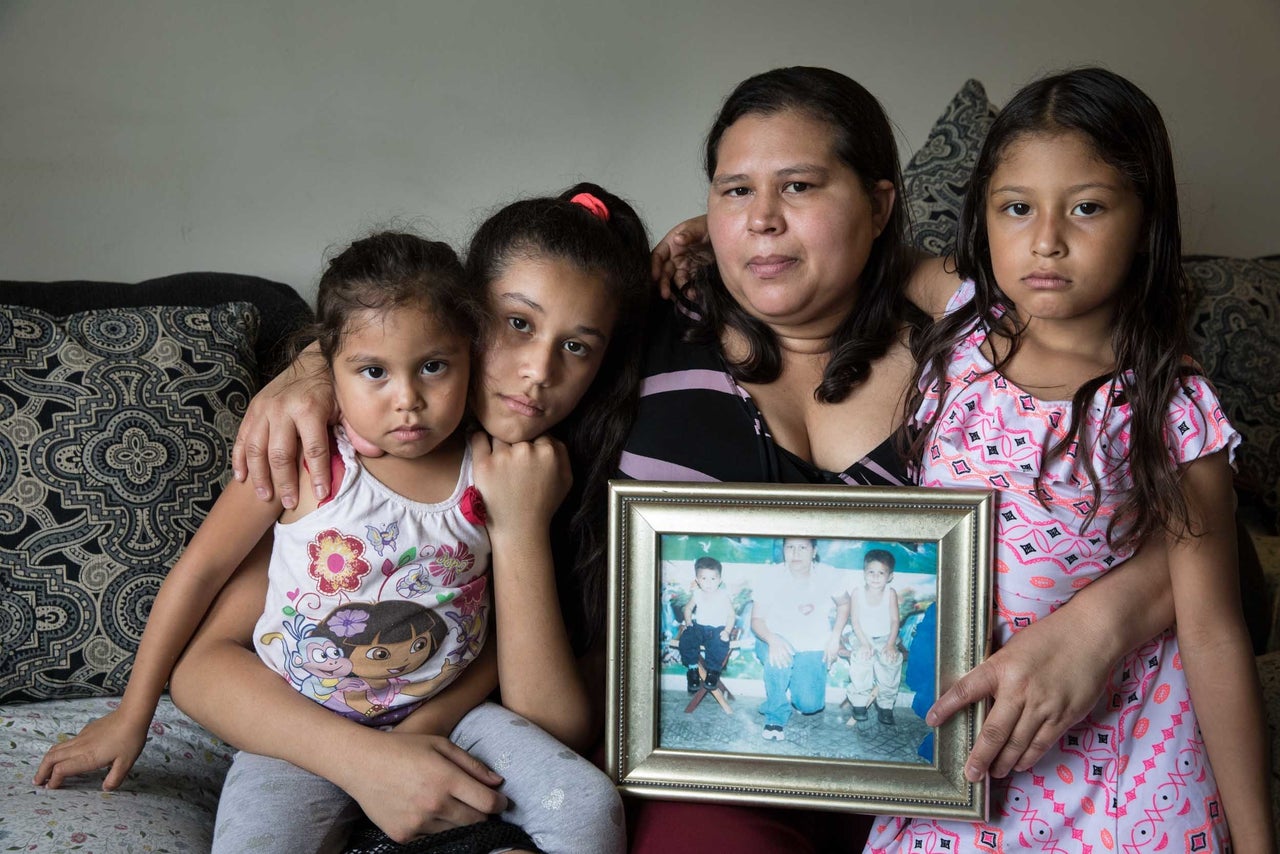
(1049, 675)
(832, 650)
(780, 652)
(680, 253)
(1044, 680)
(420, 784)
(111, 740)
(522, 484)
(296, 406)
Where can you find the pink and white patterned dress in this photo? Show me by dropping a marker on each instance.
(1134, 775)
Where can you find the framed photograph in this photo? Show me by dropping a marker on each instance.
(780, 644)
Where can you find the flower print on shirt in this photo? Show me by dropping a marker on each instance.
(337, 562)
(449, 562)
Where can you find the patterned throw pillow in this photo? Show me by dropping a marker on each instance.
(1235, 328)
(115, 429)
(934, 179)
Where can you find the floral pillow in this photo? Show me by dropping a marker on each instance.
(115, 430)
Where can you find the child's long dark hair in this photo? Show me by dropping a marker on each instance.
(1149, 338)
(864, 142)
(617, 249)
(390, 270)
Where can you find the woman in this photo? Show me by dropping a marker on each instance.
(796, 371)
(796, 642)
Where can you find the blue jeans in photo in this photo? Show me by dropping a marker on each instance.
(697, 636)
(805, 679)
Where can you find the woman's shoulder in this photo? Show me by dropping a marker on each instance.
(670, 344)
(932, 285)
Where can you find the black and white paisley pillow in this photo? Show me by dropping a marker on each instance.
(1235, 330)
(935, 178)
(115, 432)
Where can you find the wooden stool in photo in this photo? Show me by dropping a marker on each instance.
(721, 692)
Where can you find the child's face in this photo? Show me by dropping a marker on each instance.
(876, 575)
(553, 323)
(708, 578)
(387, 660)
(400, 378)
(1063, 226)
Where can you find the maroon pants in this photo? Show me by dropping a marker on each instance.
(677, 827)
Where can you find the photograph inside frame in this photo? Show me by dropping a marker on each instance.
(797, 646)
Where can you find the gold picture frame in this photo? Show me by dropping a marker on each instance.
(662, 741)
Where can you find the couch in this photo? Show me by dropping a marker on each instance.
(117, 403)
(117, 406)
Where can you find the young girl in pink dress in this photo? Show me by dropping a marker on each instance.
(1059, 377)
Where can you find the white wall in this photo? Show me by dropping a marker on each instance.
(141, 137)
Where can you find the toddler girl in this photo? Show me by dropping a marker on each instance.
(1059, 377)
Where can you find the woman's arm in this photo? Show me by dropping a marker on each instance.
(522, 485)
(230, 531)
(780, 650)
(1217, 655)
(832, 650)
(295, 407)
(931, 285)
(1050, 674)
(421, 783)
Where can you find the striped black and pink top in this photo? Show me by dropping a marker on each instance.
(695, 423)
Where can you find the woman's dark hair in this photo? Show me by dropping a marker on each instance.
(1125, 130)
(390, 270)
(617, 250)
(780, 548)
(863, 140)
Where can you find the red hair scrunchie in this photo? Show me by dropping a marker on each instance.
(592, 204)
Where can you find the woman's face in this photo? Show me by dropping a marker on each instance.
(553, 322)
(798, 554)
(791, 224)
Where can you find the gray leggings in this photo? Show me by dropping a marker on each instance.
(564, 803)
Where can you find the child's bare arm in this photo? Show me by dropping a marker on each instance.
(522, 485)
(1217, 655)
(230, 531)
(687, 617)
(895, 623)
